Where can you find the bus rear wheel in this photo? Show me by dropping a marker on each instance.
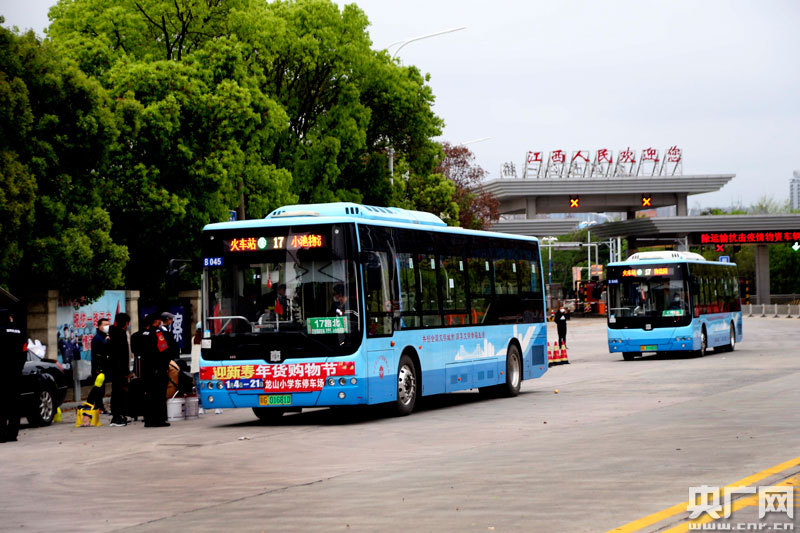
(513, 372)
(406, 386)
(268, 415)
(629, 356)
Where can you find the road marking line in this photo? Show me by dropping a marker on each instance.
(654, 518)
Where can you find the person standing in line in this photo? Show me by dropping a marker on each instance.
(100, 357)
(561, 318)
(166, 321)
(12, 359)
(155, 360)
(120, 368)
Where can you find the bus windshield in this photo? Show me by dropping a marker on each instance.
(648, 295)
(290, 290)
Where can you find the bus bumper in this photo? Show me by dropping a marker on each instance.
(673, 340)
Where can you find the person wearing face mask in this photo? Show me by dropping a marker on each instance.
(561, 325)
(100, 355)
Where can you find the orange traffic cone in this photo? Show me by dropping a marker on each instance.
(550, 361)
(564, 360)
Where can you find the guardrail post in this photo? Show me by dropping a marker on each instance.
(789, 311)
(751, 309)
(776, 311)
(763, 310)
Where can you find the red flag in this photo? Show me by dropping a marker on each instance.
(278, 307)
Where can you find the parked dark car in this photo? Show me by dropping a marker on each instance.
(44, 386)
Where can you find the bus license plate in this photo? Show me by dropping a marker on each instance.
(648, 347)
(275, 399)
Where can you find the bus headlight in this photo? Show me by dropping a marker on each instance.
(332, 382)
(342, 381)
(210, 384)
(210, 399)
(353, 381)
(341, 396)
(220, 385)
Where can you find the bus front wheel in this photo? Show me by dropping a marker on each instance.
(268, 414)
(406, 386)
(628, 356)
(731, 346)
(703, 343)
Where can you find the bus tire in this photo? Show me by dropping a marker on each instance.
(629, 356)
(513, 372)
(268, 415)
(407, 387)
(703, 343)
(731, 346)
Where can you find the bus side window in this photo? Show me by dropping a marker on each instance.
(428, 273)
(378, 284)
(454, 291)
(408, 290)
(506, 283)
(480, 288)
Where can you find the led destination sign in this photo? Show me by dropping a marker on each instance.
(759, 237)
(639, 272)
(292, 242)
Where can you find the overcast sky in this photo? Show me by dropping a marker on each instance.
(719, 79)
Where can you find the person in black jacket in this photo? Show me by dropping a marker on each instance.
(561, 318)
(100, 357)
(120, 368)
(155, 361)
(12, 360)
(166, 322)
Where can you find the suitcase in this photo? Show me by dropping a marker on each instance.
(136, 403)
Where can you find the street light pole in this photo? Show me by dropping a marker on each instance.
(402, 44)
(411, 40)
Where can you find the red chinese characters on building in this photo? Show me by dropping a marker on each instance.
(650, 154)
(558, 156)
(627, 156)
(604, 156)
(674, 155)
(534, 157)
(580, 154)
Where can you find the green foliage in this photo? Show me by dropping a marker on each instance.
(244, 103)
(477, 209)
(55, 133)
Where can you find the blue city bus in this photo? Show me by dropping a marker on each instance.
(672, 302)
(345, 304)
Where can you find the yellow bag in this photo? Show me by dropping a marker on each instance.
(87, 416)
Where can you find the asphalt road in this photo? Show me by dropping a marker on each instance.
(618, 442)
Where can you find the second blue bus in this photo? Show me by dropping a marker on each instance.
(672, 302)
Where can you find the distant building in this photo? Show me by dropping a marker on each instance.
(794, 190)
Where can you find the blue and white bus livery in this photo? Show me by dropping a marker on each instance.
(671, 302)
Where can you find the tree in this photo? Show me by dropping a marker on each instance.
(345, 104)
(477, 209)
(55, 133)
(243, 103)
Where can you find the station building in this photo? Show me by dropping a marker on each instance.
(628, 183)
